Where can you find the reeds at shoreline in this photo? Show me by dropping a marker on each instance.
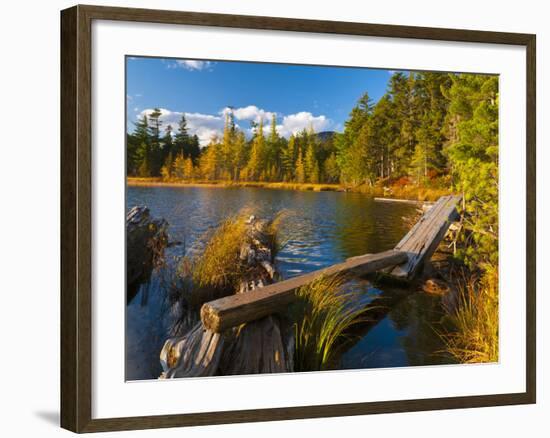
(411, 192)
(475, 334)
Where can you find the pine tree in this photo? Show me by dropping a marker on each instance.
(188, 168)
(209, 161)
(349, 158)
(401, 92)
(273, 151)
(135, 142)
(194, 149)
(167, 144)
(240, 155)
(178, 167)
(155, 142)
(288, 159)
(311, 164)
(331, 171)
(385, 130)
(431, 112)
(167, 169)
(255, 168)
(144, 169)
(181, 139)
(227, 152)
(474, 156)
(300, 169)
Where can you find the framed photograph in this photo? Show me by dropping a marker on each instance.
(269, 219)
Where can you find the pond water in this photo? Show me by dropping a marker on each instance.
(323, 228)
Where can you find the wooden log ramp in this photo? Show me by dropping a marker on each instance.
(219, 315)
(424, 237)
(241, 334)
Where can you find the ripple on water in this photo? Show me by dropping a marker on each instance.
(322, 228)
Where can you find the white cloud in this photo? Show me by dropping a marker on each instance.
(191, 64)
(204, 126)
(207, 126)
(294, 123)
(249, 113)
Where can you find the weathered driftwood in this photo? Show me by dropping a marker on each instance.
(219, 315)
(404, 201)
(258, 347)
(146, 239)
(196, 354)
(422, 240)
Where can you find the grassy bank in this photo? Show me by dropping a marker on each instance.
(474, 338)
(410, 192)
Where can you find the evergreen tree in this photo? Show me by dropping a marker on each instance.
(181, 139)
(432, 107)
(240, 158)
(474, 158)
(300, 169)
(194, 149)
(288, 159)
(331, 171)
(144, 169)
(349, 158)
(255, 168)
(402, 95)
(311, 164)
(209, 161)
(227, 152)
(178, 167)
(273, 151)
(135, 148)
(385, 130)
(167, 169)
(153, 131)
(167, 145)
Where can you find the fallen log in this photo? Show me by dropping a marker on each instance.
(146, 239)
(423, 239)
(219, 315)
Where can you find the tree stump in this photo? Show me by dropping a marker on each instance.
(257, 347)
(146, 239)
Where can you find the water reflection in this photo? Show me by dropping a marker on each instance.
(322, 228)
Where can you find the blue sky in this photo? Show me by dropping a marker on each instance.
(298, 95)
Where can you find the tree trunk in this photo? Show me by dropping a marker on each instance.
(256, 347)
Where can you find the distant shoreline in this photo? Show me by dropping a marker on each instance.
(157, 182)
(409, 194)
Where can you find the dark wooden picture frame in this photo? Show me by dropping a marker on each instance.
(76, 217)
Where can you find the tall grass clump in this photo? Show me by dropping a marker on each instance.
(326, 313)
(217, 270)
(219, 265)
(475, 320)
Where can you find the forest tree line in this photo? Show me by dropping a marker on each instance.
(427, 127)
(413, 130)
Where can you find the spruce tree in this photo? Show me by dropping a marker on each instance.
(256, 166)
(135, 142)
(181, 139)
(155, 142)
(300, 171)
(288, 159)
